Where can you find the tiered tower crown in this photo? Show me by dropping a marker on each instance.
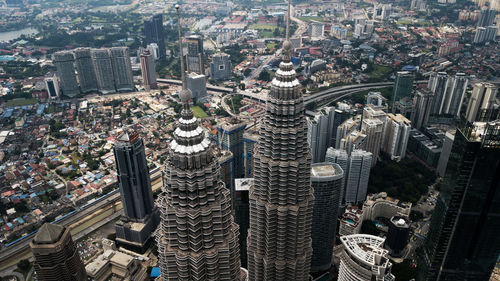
(197, 238)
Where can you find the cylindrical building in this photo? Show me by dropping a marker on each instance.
(326, 181)
(397, 236)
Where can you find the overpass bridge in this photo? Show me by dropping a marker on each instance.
(209, 87)
(335, 92)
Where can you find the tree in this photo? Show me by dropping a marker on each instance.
(247, 72)
(265, 76)
(369, 227)
(242, 86)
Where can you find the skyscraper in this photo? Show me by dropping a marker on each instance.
(122, 69)
(438, 83)
(455, 91)
(482, 102)
(364, 259)
(230, 137)
(462, 243)
(396, 134)
(423, 107)
(197, 238)
(403, 87)
(103, 70)
(281, 200)
(340, 157)
(64, 61)
(56, 256)
(85, 68)
(373, 129)
(326, 181)
(486, 17)
(148, 71)
(242, 213)
(358, 174)
(140, 215)
(397, 236)
(195, 57)
(197, 84)
(153, 31)
(220, 67)
(320, 133)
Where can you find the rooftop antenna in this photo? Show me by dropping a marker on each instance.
(287, 45)
(185, 93)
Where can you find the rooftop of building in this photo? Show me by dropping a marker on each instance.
(400, 222)
(243, 184)
(325, 170)
(49, 234)
(367, 248)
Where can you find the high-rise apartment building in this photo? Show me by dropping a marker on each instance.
(486, 18)
(153, 31)
(64, 62)
(197, 238)
(56, 256)
(351, 221)
(481, 105)
(357, 176)
(195, 56)
(316, 29)
(438, 83)
(423, 107)
(403, 88)
(230, 137)
(52, 87)
(373, 129)
(320, 133)
(122, 69)
(462, 243)
(455, 92)
(364, 259)
(381, 11)
(356, 167)
(154, 50)
(485, 34)
(148, 71)
(140, 216)
(281, 200)
(326, 180)
(86, 72)
(396, 134)
(444, 157)
(220, 67)
(345, 129)
(104, 70)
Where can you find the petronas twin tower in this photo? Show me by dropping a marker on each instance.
(197, 238)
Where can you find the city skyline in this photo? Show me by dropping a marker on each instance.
(249, 141)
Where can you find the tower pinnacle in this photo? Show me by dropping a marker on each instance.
(287, 45)
(185, 94)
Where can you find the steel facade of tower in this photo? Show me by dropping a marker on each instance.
(423, 106)
(197, 238)
(85, 68)
(56, 256)
(140, 214)
(403, 87)
(462, 243)
(327, 181)
(281, 200)
(64, 61)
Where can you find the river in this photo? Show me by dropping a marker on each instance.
(10, 35)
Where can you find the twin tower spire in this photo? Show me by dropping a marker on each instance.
(197, 237)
